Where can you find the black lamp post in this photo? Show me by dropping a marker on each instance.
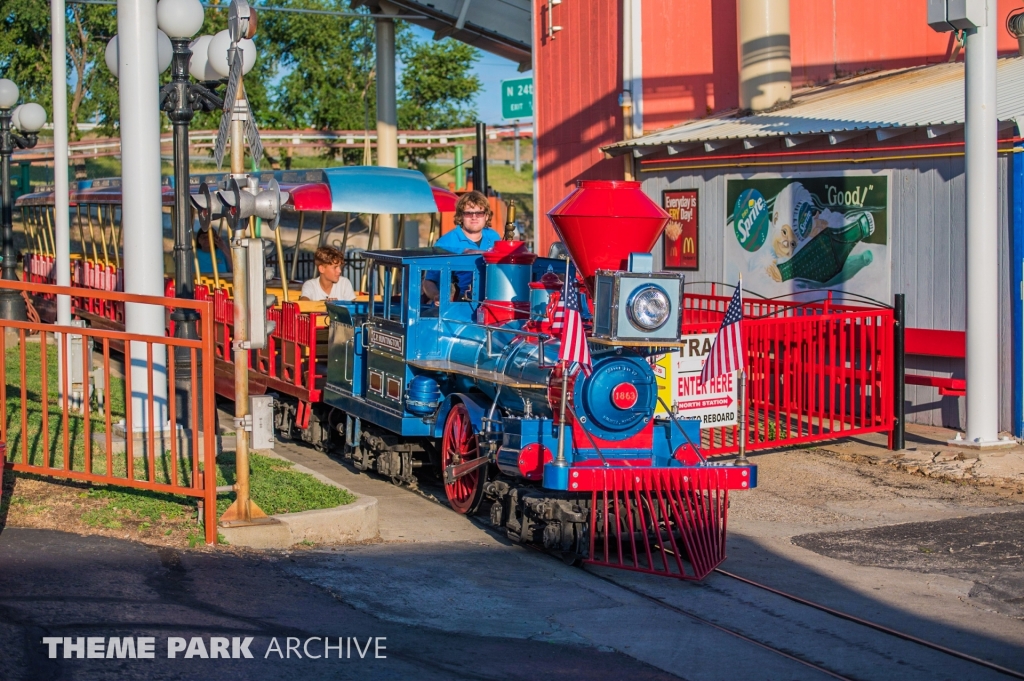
(28, 118)
(181, 99)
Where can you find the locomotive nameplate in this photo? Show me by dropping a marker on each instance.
(387, 341)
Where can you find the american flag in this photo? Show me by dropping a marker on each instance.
(727, 351)
(569, 322)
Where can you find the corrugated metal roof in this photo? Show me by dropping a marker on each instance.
(925, 96)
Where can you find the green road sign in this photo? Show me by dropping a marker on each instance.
(517, 98)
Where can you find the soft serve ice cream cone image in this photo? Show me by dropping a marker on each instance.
(812, 242)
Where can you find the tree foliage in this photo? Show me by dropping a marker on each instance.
(438, 86)
(437, 89)
(313, 71)
(94, 91)
(25, 48)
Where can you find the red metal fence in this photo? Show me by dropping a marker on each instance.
(293, 363)
(52, 426)
(815, 371)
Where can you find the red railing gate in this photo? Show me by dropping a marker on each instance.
(815, 371)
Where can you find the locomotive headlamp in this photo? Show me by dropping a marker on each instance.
(649, 308)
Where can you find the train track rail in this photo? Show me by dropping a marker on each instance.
(731, 632)
(877, 627)
(889, 631)
(817, 606)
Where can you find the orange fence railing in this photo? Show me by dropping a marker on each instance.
(68, 406)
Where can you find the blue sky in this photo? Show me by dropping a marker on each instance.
(491, 70)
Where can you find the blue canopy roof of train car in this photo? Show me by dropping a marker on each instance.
(370, 189)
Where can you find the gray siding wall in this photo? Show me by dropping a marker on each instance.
(927, 238)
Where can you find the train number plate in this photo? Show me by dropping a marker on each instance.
(387, 341)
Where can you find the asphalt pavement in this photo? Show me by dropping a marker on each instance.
(445, 597)
(54, 584)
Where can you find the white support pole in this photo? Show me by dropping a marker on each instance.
(62, 224)
(387, 116)
(515, 134)
(636, 66)
(142, 208)
(982, 233)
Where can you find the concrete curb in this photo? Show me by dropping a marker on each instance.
(353, 522)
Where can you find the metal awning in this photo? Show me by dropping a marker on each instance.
(888, 103)
(501, 27)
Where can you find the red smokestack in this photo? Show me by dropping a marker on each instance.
(602, 221)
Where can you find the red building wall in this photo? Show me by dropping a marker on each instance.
(580, 73)
(690, 69)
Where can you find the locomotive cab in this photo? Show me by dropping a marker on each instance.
(370, 353)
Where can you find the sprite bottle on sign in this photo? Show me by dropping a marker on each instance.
(750, 219)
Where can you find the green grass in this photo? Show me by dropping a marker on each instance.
(51, 451)
(275, 486)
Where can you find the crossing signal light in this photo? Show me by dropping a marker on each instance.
(243, 202)
(209, 206)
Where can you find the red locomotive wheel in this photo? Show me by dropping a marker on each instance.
(459, 446)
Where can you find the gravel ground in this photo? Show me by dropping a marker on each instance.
(812, 490)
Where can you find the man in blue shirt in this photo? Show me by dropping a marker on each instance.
(471, 235)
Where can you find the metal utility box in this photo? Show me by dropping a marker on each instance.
(261, 408)
(617, 296)
(952, 15)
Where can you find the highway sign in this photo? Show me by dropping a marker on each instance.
(517, 98)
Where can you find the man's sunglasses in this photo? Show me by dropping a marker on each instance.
(474, 213)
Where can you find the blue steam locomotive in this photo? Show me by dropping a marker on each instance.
(577, 462)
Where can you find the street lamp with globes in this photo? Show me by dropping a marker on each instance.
(29, 120)
(181, 99)
(205, 59)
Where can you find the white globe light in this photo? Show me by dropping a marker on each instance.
(164, 51)
(14, 117)
(199, 65)
(31, 117)
(110, 55)
(218, 54)
(179, 18)
(8, 93)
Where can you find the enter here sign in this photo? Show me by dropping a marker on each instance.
(678, 376)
